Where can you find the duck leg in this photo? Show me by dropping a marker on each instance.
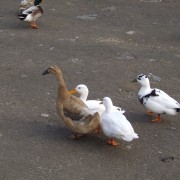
(112, 142)
(76, 136)
(34, 25)
(149, 113)
(157, 120)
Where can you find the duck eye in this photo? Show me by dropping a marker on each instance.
(139, 78)
(79, 87)
(146, 76)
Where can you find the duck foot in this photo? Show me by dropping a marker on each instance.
(157, 120)
(34, 25)
(76, 136)
(149, 113)
(112, 142)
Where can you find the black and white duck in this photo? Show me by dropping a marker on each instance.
(155, 100)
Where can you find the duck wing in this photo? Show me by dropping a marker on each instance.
(30, 10)
(95, 106)
(74, 116)
(76, 107)
(164, 99)
(116, 124)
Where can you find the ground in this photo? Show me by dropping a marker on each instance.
(101, 43)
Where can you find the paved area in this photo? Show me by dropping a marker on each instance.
(103, 44)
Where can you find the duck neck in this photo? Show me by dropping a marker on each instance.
(146, 86)
(84, 96)
(145, 89)
(63, 92)
(37, 2)
(109, 108)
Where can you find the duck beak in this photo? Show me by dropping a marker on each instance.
(73, 91)
(135, 80)
(46, 72)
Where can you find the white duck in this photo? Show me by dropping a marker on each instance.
(115, 125)
(156, 100)
(93, 105)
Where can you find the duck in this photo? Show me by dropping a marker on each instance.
(94, 105)
(115, 125)
(31, 14)
(155, 100)
(25, 4)
(72, 110)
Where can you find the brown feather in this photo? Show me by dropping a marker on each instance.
(73, 110)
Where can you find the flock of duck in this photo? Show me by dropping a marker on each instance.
(30, 11)
(84, 116)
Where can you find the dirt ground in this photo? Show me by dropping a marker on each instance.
(103, 44)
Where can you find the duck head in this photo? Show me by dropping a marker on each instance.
(142, 79)
(52, 70)
(107, 103)
(80, 89)
(37, 2)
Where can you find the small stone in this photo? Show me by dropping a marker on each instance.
(173, 128)
(24, 76)
(51, 49)
(130, 32)
(45, 115)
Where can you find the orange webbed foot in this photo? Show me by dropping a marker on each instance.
(112, 142)
(34, 25)
(149, 113)
(157, 120)
(76, 136)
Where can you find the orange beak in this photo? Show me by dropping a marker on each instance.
(73, 91)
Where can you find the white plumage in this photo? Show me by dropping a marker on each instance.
(93, 105)
(115, 125)
(156, 100)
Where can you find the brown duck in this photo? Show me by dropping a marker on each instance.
(73, 111)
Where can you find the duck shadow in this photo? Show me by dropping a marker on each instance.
(139, 118)
(143, 119)
(54, 132)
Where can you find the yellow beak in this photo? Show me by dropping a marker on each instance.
(73, 91)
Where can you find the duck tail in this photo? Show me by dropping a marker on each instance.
(136, 136)
(131, 137)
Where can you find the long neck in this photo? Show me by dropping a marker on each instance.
(62, 89)
(146, 85)
(84, 96)
(109, 107)
(145, 89)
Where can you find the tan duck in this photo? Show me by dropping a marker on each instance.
(72, 110)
